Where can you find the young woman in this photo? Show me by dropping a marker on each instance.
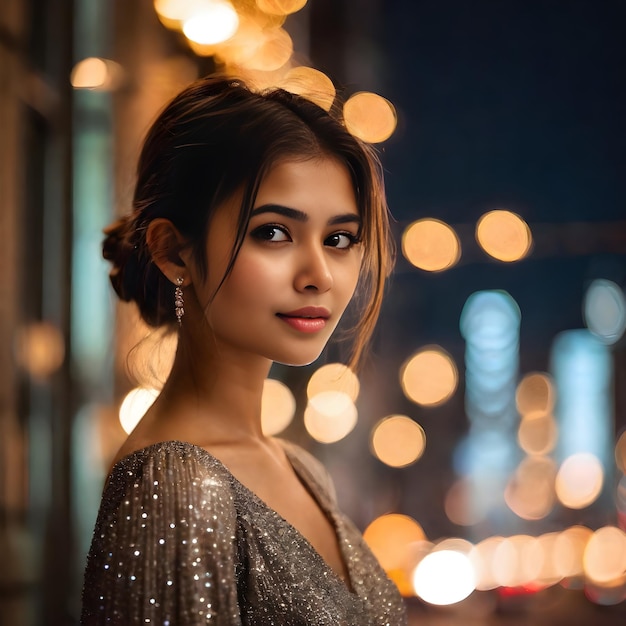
(257, 218)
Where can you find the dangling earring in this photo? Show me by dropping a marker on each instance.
(178, 300)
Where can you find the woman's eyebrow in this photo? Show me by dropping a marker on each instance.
(301, 216)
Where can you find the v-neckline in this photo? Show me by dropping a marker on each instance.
(303, 475)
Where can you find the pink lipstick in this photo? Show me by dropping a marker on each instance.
(309, 319)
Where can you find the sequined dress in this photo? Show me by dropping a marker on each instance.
(180, 541)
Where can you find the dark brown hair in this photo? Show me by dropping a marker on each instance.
(218, 137)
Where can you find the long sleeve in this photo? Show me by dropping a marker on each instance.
(164, 547)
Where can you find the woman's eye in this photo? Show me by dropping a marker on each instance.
(341, 240)
(271, 232)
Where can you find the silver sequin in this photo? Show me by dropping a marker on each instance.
(180, 541)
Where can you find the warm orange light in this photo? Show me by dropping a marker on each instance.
(483, 557)
(605, 555)
(334, 377)
(530, 493)
(579, 480)
(444, 577)
(96, 74)
(569, 550)
(134, 406)
(40, 349)
(431, 245)
(398, 441)
(369, 117)
(330, 416)
(389, 538)
(278, 407)
(535, 394)
(274, 48)
(173, 13)
(280, 7)
(429, 377)
(537, 433)
(550, 573)
(504, 235)
(517, 561)
(152, 357)
(461, 506)
(216, 22)
(311, 84)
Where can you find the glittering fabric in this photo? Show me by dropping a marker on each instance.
(180, 541)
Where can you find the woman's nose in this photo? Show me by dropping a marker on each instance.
(313, 271)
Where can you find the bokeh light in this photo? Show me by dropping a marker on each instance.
(517, 561)
(579, 480)
(330, 416)
(504, 235)
(150, 360)
(461, 506)
(273, 49)
(96, 74)
(569, 550)
(173, 13)
(40, 349)
(549, 574)
(429, 377)
(389, 536)
(369, 117)
(605, 310)
(311, 84)
(278, 406)
(482, 558)
(530, 492)
(398, 441)
(213, 23)
(134, 406)
(535, 394)
(431, 245)
(605, 555)
(444, 577)
(280, 7)
(537, 433)
(334, 377)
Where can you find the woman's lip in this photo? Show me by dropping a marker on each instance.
(308, 312)
(304, 324)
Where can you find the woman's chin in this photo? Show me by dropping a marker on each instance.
(300, 360)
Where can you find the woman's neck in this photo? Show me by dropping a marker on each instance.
(212, 395)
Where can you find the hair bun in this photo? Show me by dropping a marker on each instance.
(120, 250)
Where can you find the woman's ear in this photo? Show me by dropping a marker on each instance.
(168, 248)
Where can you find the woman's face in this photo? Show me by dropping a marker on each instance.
(297, 268)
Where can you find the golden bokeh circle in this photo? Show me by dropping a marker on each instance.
(311, 84)
(389, 537)
(429, 377)
(280, 7)
(431, 245)
(40, 349)
(369, 117)
(504, 235)
(330, 416)
(535, 394)
(530, 492)
(278, 406)
(579, 480)
(134, 406)
(537, 433)
(334, 377)
(605, 555)
(398, 441)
